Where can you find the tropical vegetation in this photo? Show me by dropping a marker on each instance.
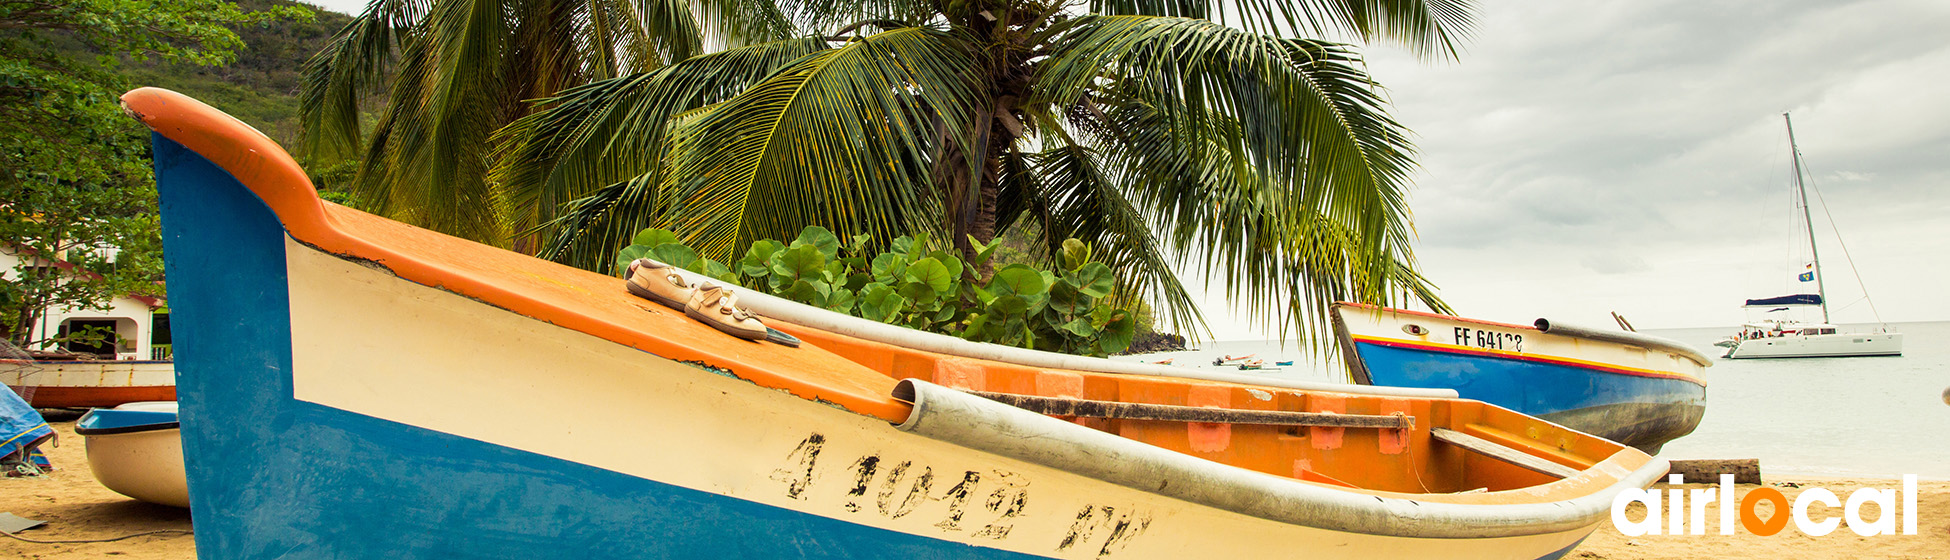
(918, 285)
(1148, 130)
(77, 201)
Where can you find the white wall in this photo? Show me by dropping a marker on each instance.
(132, 317)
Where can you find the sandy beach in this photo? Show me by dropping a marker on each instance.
(76, 507)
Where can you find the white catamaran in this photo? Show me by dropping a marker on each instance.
(1776, 337)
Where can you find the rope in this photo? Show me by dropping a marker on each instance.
(85, 541)
(1838, 241)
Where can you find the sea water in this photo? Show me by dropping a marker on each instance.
(1869, 417)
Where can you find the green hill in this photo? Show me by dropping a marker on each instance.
(261, 86)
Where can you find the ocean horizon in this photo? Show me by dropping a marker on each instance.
(1875, 417)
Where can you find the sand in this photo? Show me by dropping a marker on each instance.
(1932, 538)
(76, 507)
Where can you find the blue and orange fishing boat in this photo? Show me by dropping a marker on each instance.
(1635, 389)
(356, 387)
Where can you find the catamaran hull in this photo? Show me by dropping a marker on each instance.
(1606, 389)
(1842, 345)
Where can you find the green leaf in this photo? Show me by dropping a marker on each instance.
(880, 303)
(1064, 299)
(976, 330)
(653, 237)
(919, 247)
(800, 261)
(1075, 253)
(889, 268)
(1009, 305)
(1019, 280)
(674, 254)
(902, 245)
(954, 264)
(757, 261)
(983, 252)
(819, 237)
(1079, 327)
(1094, 279)
(919, 293)
(1118, 335)
(932, 273)
(841, 301)
(803, 291)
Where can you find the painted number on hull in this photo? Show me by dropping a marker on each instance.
(1104, 525)
(981, 504)
(1489, 339)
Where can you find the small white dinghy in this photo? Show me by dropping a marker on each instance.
(136, 449)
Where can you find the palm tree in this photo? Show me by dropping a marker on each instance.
(1146, 129)
(457, 70)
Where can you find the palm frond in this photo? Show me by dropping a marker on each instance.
(841, 138)
(602, 147)
(1078, 199)
(1268, 160)
(352, 62)
(1431, 28)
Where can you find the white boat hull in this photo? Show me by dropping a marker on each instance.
(1837, 345)
(146, 464)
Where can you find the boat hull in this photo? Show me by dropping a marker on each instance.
(90, 384)
(323, 392)
(137, 451)
(1841, 345)
(1600, 388)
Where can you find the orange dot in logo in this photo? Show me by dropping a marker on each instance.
(1751, 520)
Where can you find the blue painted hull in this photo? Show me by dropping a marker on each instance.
(299, 480)
(1640, 411)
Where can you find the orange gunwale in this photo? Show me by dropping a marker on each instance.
(262, 166)
(590, 303)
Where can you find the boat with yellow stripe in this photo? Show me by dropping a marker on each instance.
(356, 387)
(1636, 389)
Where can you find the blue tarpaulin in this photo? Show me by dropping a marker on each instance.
(21, 428)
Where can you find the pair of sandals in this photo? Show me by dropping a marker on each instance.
(708, 303)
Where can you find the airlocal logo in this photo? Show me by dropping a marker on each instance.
(1676, 522)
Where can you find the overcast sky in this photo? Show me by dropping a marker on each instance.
(1590, 156)
(1584, 157)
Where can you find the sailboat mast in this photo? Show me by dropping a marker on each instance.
(1814, 252)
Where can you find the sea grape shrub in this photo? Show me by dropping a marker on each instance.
(917, 285)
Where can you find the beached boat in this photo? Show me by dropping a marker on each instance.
(90, 383)
(1259, 365)
(343, 372)
(1781, 337)
(1233, 360)
(1631, 388)
(136, 449)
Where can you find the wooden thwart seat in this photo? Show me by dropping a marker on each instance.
(1502, 453)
